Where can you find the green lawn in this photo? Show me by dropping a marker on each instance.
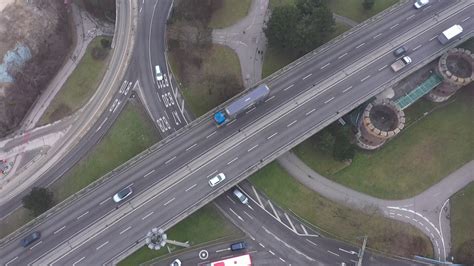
(204, 225)
(384, 234)
(230, 12)
(79, 87)
(353, 8)
(462, 230)
(14, 221)
(131, 134)
(204, 91)
(276, 58)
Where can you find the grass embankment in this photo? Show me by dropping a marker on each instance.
(353, 8)
(204, 225)
(81, 84)
(383, 234)
(131, 134)
(430, 148)
(230, 12)
(462, 232)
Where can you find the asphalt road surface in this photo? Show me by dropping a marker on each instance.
(171, 181)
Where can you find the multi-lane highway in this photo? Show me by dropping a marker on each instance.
(171, 181)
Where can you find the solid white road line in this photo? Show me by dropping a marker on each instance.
(81, 259)
(233, 160)
(257, 196)
(211, 134)
(335, 254)
(191, 187)
(125, 230)
(255, 146)
(272, 135)
(59, 230)
(285, 89)
(101, 246)
(169, 201)
(82, 215)
(149, 173)
(250, 216)
(192, 146)
(170, 160)
(291, 223)
(346, 89)
(36, 245)
(304, 229)
(326, 65)
(274, 211)
(307, 76)
(148, 215)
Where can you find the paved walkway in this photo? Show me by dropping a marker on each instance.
(428, 211)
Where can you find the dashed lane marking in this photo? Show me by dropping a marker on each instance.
(365, 78)
(394, 26)
(250, 216)
(269, 99)
(282, 259)
(328, 100)
(434, 37)
(208, 136)
(82, 215)
(292, 123)
(335, 254)
(36, 245)
(382, 68)
(253, 147)
(308, 113)
(192, 146)
(233, 160)
(77, 261)
(416, 48)
(311, 242)
(360, 45)
(191, 187)
(464, 20)
(378, 35)
(59, 230)
(170, 160)
(149, 173)
(307, 76)
(125, 230)
(261, 245)
(410, 17)
(347, 89)
(169, 201)
(326, 65)
(238, 216)
(148, 215)
(287, 88)
(101, 246)
(271, 252)
(341, 56)
(272, 135)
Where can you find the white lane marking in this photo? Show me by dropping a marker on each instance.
(326, 65)
(213, 173)
(251, 149)
(149, 173)
(261, 245)
(250, 216)
(6, 264)
(125, 230)
(211, 134)
(365, 78)
(426, 8)
(253, 108)
(346, 89)
(221, 250)
(148, 215)
(311, 242)
(169, 161)
(335, 254)
(382, 68)
(192, 146)
(394, 26)
(285, 89)
(59, 230)
(233, 160)
(101, 124)
(269, 99)
(81, 259)
(328, 100)
(169, 201)
(274, 211)
(348, 251)
(101, 246)
(191, 187)
(410, 17)
(304, 229)
(308, 113)
(271, 252)
(253, 238)
(36, 244)
(282, 259)
(82, 215)
(376, 36)
(230, 123)
(416, 48)
(434, 37)
(238, 216)
(465, 19)
(292, 123)
(272, 135)
(307, 76)
(291, 223)
(341, 56)
(231, 200)
(360, 45)
(257, 196)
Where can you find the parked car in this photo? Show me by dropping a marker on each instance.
(242, 198)
(420, 3)
(30, 239)
(238, 246)
(400, 51)
(216, 179)
(122, 194)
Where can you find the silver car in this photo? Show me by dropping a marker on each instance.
(122, 194)
(216, 179)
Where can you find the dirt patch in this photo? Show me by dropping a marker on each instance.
(459, 66)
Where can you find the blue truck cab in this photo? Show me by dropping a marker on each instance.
(219, 118)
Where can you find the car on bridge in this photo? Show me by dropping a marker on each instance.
(216, 179)
(122, 194)
(30, 239)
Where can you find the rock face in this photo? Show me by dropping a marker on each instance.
(35, 38)
(457, 69)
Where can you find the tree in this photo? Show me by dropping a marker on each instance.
(368, 4)
(38, 200)
(280, 29)
(325, 142)
(343, 148)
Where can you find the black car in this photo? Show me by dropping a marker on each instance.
(30, 239)
(400, 51)
(238, 246)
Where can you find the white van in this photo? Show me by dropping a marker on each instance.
(158, 74)
(449, 34)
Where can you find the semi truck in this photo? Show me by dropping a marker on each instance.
(241, 104)
(400, 63)
(449, 34)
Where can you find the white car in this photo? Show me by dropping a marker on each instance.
(420, 3)
(158, 74)
(216, 179)
(122, 194)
